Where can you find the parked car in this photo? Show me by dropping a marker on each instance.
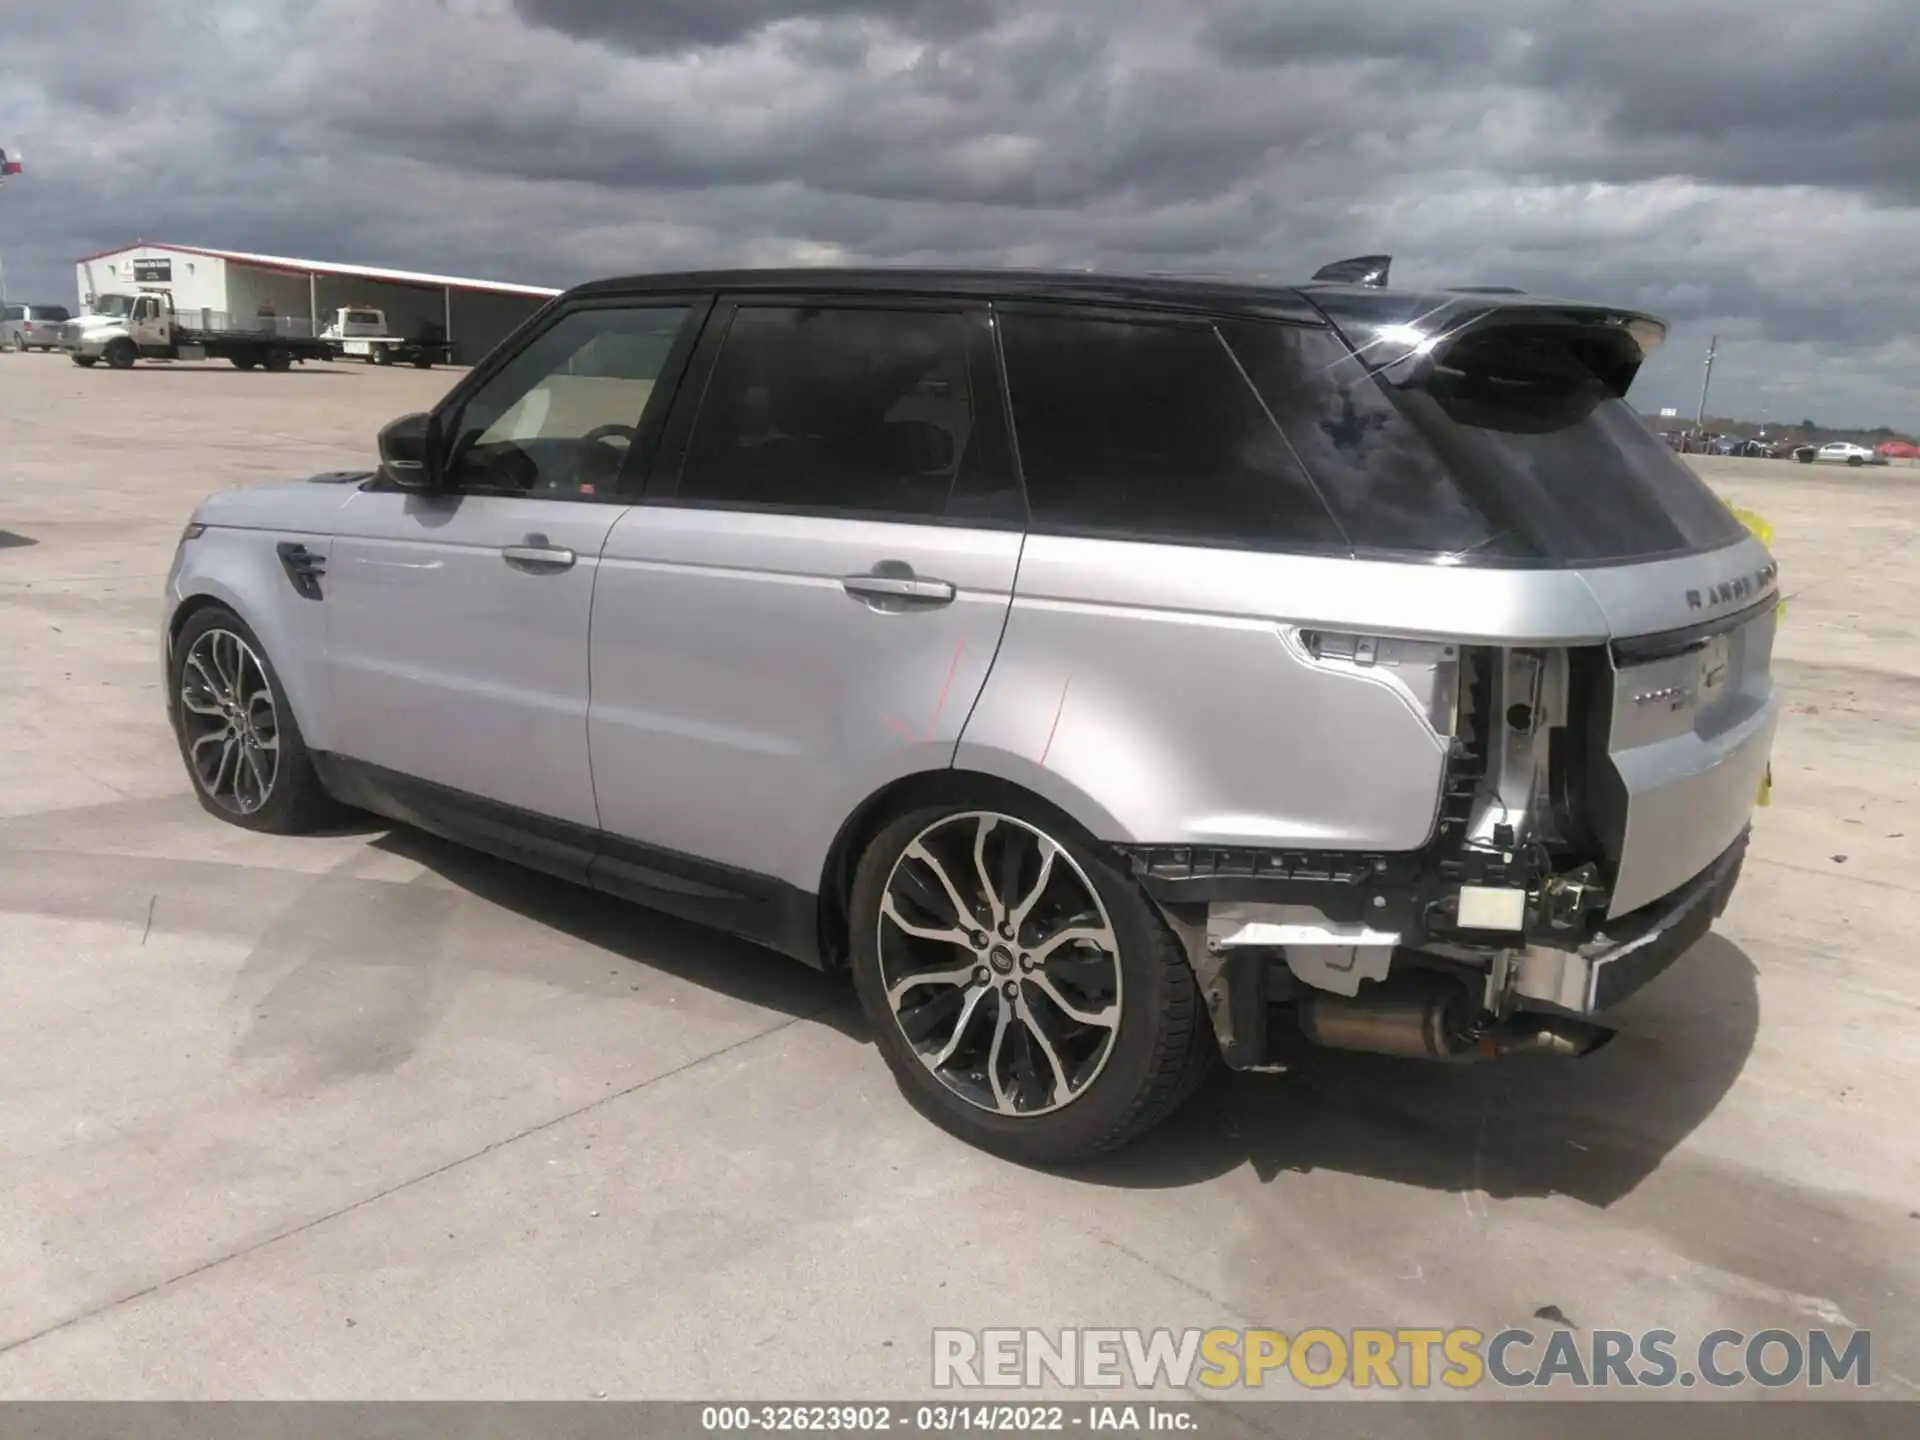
(31, 327)
(1111, 674)
(1838, 452)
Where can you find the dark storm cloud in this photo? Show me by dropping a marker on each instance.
(1748, 168)
(658, 26)
(1720, 90)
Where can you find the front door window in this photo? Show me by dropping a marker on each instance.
(558, 419)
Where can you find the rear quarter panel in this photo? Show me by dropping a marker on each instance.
(1158, 693)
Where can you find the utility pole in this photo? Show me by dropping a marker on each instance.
(1700, 420)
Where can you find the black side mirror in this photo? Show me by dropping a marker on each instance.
(410, 453)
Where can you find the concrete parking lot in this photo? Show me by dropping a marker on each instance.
(363, 1115)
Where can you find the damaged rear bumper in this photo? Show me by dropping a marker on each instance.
(1628, 953)
(1444, 1000)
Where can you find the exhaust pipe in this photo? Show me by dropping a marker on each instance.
(1429, 1017)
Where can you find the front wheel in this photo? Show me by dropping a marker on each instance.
(85, 362)
(1855, 460)
(1026, 996)
(121, 354)
(241, 743)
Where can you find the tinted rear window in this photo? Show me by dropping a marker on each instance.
(47, 312)
(1149, 429)
(1508, 448)
(364, 317)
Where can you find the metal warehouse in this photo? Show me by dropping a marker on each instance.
(230, 289)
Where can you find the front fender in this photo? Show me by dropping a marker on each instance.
(241, 570)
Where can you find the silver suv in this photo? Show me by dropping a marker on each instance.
(32, 327)
(1112, 674)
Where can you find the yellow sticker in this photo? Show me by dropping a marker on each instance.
(1763, 532)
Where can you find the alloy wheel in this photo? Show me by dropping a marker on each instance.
(1000, 963)
(229, 721)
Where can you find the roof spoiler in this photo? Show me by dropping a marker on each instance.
(1368, 270)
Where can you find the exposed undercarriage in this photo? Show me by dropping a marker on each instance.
(1503, 933)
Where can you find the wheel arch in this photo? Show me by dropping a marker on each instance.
(924, 788)
(287, 650)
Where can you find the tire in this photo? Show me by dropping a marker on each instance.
(86, 362)
(423, 362)
(1855, 460)
(221, 647)
(382, 356)
(369, 358)
(120, 354)
(19, 342)
(277, 360)
(1094, 1086)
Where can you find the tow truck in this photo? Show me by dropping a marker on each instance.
(121, 329)
(360, 331)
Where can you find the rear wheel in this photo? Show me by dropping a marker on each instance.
(238, 736)
(85, 362)
(1855, 460)
(120, 354)
(1024, 993)
(19, 342)
(423, 362)
(278, 359)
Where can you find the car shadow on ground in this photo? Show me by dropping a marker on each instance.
(1591, 1129)
(1534, 1125)
(9, 540)
(718, 962)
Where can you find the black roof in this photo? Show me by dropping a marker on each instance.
(1310, 301)
(1165, 291)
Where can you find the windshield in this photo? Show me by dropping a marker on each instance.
(118, 306)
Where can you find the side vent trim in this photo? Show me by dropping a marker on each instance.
(304, 568)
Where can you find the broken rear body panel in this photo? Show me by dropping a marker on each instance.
(1510, 730)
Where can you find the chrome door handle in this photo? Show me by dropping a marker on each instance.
(898, 587)
(546, 557)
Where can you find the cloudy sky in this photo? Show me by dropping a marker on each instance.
(1745, 167)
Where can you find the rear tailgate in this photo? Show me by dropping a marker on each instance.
(1689, 735)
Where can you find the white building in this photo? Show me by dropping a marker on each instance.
(221, 289)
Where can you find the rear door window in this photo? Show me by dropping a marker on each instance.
(1148, 428)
